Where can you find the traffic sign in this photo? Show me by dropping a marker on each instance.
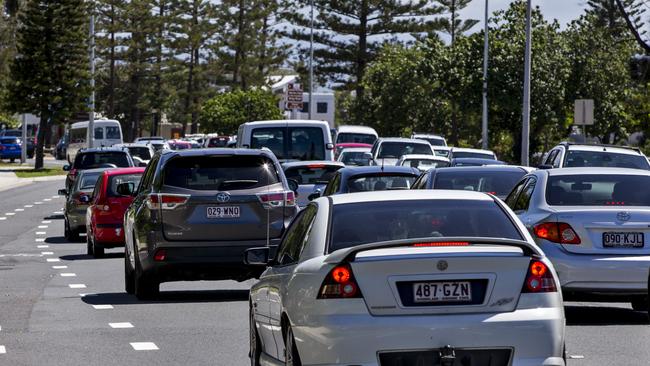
(294, 96)
(584, 112)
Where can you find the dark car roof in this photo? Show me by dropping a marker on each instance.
(476, 161)
(377, 169)
(219, 151)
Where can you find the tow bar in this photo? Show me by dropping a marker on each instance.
(447, 356)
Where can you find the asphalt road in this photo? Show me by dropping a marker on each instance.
(61, 307)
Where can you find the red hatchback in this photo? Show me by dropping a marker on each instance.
(105, 215)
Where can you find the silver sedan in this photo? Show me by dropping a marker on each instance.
(406, 278)
(594, 225)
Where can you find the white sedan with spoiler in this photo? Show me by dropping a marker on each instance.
(412, 278)
(594, 225)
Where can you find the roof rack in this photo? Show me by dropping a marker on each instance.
(567, 144)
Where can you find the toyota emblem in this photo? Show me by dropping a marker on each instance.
(623, 216)
(223, 197)
(442, 265)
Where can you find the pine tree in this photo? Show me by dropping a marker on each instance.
(609, 14)
(348, 34)
(49, 77)
(633, 13)
(108, 28)
(454, 26)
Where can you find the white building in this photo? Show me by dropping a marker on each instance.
(322, 108)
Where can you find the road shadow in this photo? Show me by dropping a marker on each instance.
(85, 257)
(578, 315)
(54, 217)
(167, 297)
(59, 240)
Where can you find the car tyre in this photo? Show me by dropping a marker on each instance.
(89, 246)
(129, 276)
(146, 287)
(291, 357)
(70, 235)
(12, 160)
(255, 344)
(642, 304)
(98, 250)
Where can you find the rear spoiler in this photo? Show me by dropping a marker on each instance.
(348, 254)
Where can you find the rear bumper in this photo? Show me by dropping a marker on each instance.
(109, 235)
(605, 275)
(11, 154)
(189, 261)
(535, 336)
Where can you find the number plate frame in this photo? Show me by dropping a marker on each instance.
(223, 212)
(445, 291)
(621, 240)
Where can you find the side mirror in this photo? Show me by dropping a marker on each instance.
(293, 185)
(329, 146)
(545, 166)
(257, 256)
(126, 189)
(317, 193)
(63, 192)
(66, 168)
(84, 199)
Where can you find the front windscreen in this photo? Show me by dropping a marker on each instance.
(220, 172)
(312, 174)
(411, 219)
(394, 150)
(468, 154)
(142, 152)
(598, 190)
(605, 159)
(101, 159)
(116, 180)
(383, 182)
(497, 183)
(291, 143)
(361, 138)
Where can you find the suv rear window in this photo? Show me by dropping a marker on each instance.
(598, 190)
(383, 182)
(467, 154)
(497, 183)
(141, 152)
(116, 180)
(297, 143)
(92, 160)
(9, 140)
(605, 159)
(220, 172)
(396, 149)
(312, 174)
(411, 219)
(362, 138)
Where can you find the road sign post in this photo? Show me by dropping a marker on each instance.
(294, 99)
(584, 114)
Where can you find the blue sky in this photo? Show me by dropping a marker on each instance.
(563, 10)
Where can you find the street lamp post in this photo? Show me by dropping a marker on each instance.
(525, 128)
(484, 135)
(311, 59)
(91, 115)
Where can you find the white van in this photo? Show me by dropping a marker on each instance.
(356, 134)
(107, 133)
(289, 139)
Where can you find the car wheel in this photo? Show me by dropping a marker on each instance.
(641, 304)
(146, 287)
(66, 230)
(129, 277)
(89, 246)
(291, 357)
(98, 251)
(255, 344)
(12, 160)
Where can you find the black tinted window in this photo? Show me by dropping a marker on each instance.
(466, 154)
(299, 143)
(433, 141)
(598, 190)
(220, 172)
(604, 159)
(297, 236)
(87, 181)
(497, 183)
(381, 182)
(9, 140)
(396, 220)
(397, 149)
(116, 180)
(98, 159)
(360, 138)
(113, 133)
(312, 174)
(141, 152)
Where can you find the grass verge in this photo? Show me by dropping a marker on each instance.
(33, 173)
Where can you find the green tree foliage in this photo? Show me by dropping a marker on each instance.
(49, 77)
(453, 25)
(225, 112)
(349, 33)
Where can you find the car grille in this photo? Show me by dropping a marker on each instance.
(463, 357)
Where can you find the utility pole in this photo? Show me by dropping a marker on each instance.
(525, 128)
(23, 148)
(311, 60)
(91, 115)
(486, 54)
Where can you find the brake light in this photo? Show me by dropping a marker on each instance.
(557, 232)
(443, 244)
(157, 201)
(539, 278)
(277, 199)
(340, 284)
(315, 166)
(160, 255)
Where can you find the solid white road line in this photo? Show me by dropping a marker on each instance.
(53, 260)
(68, 275)
(59, 267)
(120, 325)
(3, 350)
(77, 285)
(46, 222)
(103, 307)
(47, 253)
(40, 240)
(42, 226)
(144, 346)
(42, 246)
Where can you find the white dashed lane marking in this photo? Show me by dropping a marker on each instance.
(53, 260)
(40, 240)
(47, 253)
(47, 199)
(144, 346)
(120, 325)
(77, 285)
(42, 246)
(59, 267)
(38, 203)
(58, 212)
(3, 218)
(42, 226)
(19, 210)
(576, 357)
(41, 232)
(28, 206)
(3, 350)
(9, 213)
(46, 222)
(102, 307)
(68, 275)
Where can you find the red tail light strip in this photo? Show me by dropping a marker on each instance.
(340, 284)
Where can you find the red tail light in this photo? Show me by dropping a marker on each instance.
(443, 244)
(340, 284)
(277, 199)
(539, 278)
(160, 255)
(166, 201)
(557, 232)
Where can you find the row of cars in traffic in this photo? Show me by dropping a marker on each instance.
(380, 264)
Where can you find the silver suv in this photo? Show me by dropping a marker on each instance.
(195, 212)
(571, 155)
